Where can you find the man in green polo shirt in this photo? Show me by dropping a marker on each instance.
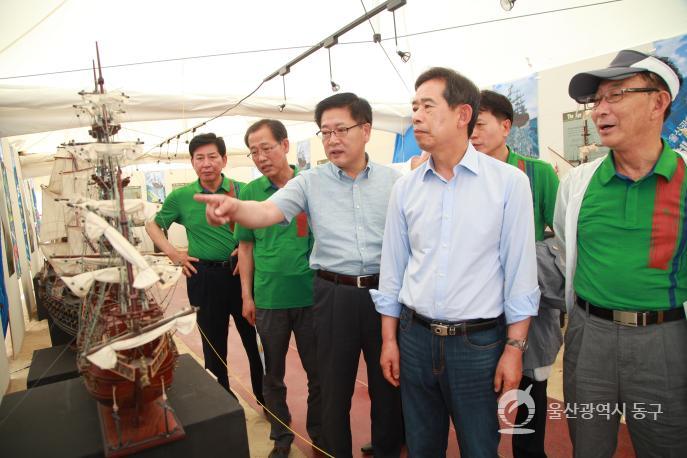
(277, 285)
(207, 265)
(623, 219)
(489, 136)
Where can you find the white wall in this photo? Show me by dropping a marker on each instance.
(19, 288)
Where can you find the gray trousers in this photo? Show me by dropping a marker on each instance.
(275, 327)
(610, 369)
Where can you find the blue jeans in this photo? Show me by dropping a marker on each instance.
(449, 376)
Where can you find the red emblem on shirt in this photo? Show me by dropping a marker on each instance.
(302, 224)
(666, 218)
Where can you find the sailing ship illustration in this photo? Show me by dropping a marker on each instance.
(96, 282)
(520, 114)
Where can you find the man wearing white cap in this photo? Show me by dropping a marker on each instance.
(623, 219)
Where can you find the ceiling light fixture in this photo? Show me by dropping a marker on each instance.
(283, 104)
(404, 55)
(507, 5)
(335, 87)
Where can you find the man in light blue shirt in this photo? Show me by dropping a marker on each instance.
(458, 281)
(346, 203)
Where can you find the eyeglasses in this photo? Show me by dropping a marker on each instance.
(261, 150)
(613, 96)
(339, 132)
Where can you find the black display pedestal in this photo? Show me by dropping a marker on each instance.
(50, 365)
(61, 419)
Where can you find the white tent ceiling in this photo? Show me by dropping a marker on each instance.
(202, 62)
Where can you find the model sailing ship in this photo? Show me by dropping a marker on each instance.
(98, 282)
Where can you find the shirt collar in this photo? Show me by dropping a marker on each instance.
(364, 173)
(268, 183)
(470, 161)
(664, 166)
(667, 162)
(224, 186)
(512, 158)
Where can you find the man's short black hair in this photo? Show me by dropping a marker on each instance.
(496, 104)
(360, 109)
(459, 90)
(207, 139)
(276, 127)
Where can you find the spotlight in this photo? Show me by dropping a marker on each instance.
(281, 107)
(335, 87)
(404, 55)
(507, 5)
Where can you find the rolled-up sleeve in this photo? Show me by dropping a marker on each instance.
(292, 199)
(395, 254)
(518, 253)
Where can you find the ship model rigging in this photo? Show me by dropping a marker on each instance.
(97, 282)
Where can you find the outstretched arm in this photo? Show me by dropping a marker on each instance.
(221, 209)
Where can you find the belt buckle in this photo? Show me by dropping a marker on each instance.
(442, 330)
(626, 318)
(357, 280)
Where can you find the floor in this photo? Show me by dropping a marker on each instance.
(557, 440)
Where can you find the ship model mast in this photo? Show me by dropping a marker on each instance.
(125, 351)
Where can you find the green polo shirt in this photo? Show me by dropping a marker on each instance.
(632, 236)
(544, 186)
(282, 277)
(205, 242)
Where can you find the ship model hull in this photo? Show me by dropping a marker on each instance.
(140, 373)
(61, 304)
(131, 396)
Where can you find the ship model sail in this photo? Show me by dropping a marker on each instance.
(98, 282)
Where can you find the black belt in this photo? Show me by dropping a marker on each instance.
(215, 264)
(457, 328)
(627, 318)
(362, 281)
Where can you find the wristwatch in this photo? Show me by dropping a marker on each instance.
(519, 344)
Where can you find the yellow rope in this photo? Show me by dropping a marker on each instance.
(250, 392)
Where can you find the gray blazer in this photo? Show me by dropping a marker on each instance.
(545, 337)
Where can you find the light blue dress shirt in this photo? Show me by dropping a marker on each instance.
(346, 215)
(460, 249)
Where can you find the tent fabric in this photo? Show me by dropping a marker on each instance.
(406, 146)
(196, 60)
(26, 110)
